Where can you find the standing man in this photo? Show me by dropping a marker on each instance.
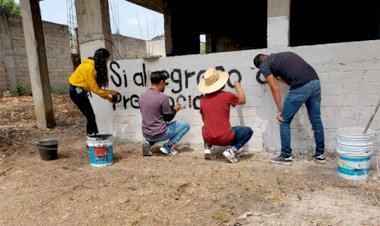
(305, 88)
(215, 111)
(157, 115)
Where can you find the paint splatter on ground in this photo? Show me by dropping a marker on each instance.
(179, 190)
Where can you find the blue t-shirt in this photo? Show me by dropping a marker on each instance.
(290, 67)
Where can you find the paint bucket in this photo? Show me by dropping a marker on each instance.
(354, 152)
(100, 149)
(354, 167)
(48, 149)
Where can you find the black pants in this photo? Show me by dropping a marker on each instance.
(83, 103)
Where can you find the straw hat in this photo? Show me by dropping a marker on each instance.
(212, 81)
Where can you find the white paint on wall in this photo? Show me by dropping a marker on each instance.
(349, 74)
(88, 49)
(278, 32)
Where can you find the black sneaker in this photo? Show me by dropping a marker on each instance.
(146, 148)
(320, 159)
(282, 160)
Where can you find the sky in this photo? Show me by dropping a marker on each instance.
(127, 18)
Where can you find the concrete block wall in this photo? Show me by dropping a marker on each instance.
(13, 58)
(349, 74)
(128, 47)
(17, 54)
(14, 61)
(58, 53)
(4, 84)
(156, 47)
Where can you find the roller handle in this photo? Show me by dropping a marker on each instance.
(370, 120)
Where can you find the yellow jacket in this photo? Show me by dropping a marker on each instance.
(85, 77)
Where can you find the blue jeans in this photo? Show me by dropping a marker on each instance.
(176, 130)
(310, 94)
(242, 136)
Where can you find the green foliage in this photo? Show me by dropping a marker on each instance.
(20, 90)
(10, 7)
(220, 216)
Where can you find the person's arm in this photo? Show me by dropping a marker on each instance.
(93, 86)
(239, 93)
(170, 116)
(281, 80)
(90, 75)
(276, 95)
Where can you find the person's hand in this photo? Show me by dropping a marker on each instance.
(109, 98)
(113, 92)
(237, 85)
(279, 117)
(177, 107)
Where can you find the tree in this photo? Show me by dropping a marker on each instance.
(10, 7)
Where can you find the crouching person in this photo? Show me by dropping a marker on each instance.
(215, 111)
(157, 116)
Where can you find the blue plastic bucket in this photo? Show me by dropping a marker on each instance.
(100, 149)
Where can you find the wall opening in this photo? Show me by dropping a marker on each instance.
(323, 21)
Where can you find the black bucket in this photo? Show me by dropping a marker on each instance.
(48, 149)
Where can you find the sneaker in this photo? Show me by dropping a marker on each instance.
(207, 153)
(319, 158)
(173, 151)
(229, 154)
(166, 149)
(146, 148)
(282, 160)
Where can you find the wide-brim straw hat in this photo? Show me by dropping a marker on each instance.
(212, 81)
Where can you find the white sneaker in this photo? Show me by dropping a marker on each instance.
(229, 154)
(173, 151)
(207, 153)
(165, 149)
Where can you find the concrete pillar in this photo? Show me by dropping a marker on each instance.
(94, 32)
(38, 69)
(278, 23)
(167, 28)
(94, 29)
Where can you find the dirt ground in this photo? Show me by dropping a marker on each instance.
(184, 189)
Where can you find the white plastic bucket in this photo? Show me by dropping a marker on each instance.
(354, 152)
(354, 149)
(354, 136)
(354, 167)
(100, 149)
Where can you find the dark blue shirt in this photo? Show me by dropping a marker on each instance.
(290, 67)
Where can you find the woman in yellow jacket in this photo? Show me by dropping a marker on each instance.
(91, 75)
